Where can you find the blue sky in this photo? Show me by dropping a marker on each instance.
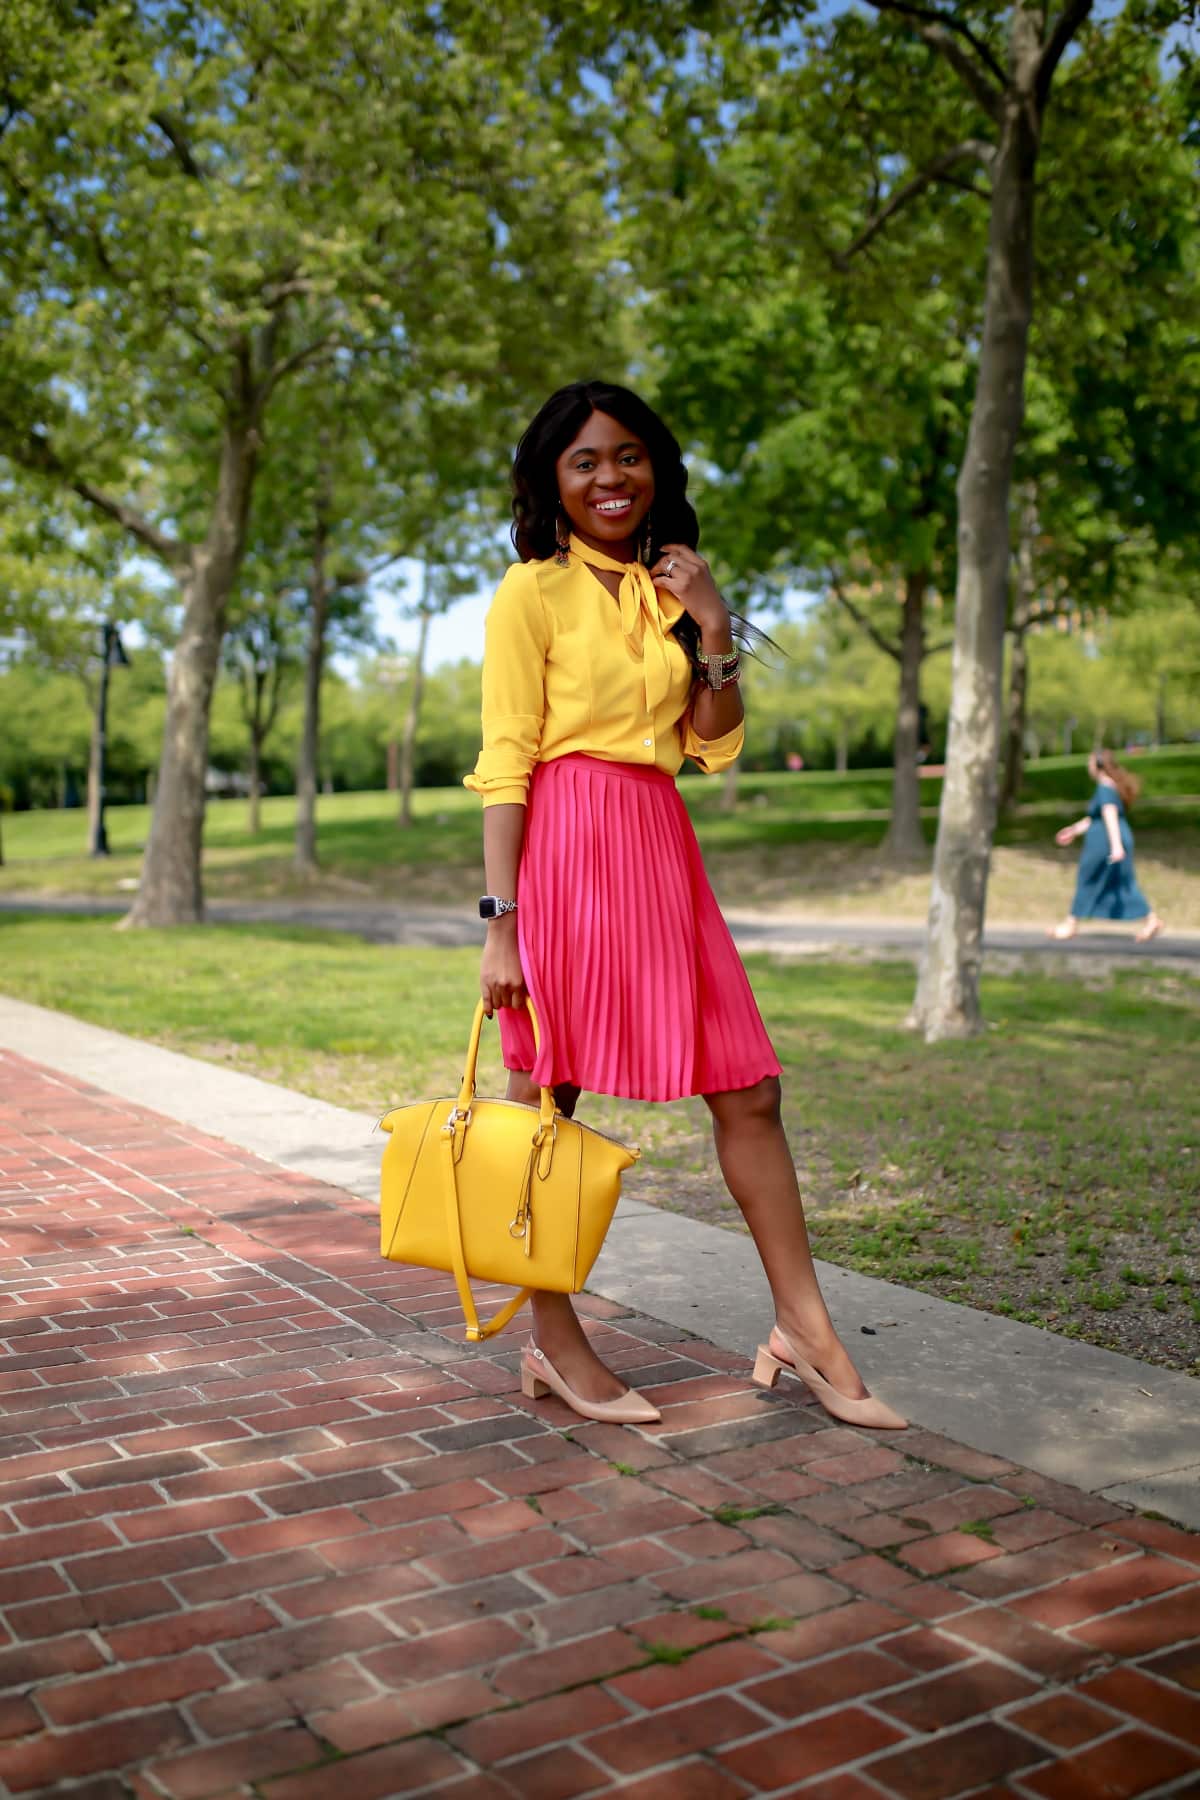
(452, 636)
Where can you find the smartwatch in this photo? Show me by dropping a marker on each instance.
(491, 908)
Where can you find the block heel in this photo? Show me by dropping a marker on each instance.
(532, 1386)
(767, 1368)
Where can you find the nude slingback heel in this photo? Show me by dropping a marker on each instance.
(540, 1377)
(868, 1411)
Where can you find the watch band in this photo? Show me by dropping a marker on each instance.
(492, 908)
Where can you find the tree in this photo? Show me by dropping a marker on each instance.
(465, 553)
(260, 648)
(830, 691)
(828, 411)
(1108, 466)
(64, 585)
(1005, 59)
(202, 201)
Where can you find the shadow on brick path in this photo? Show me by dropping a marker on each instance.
(268, 1527)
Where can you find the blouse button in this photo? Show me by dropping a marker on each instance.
(647, 743)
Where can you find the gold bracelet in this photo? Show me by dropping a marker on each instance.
(721, 670)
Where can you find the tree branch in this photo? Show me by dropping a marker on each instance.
(934, 171)
(1069, 21)
(287, 365)
(938, 30)
(983, 90)
(174, 553)
(860, 619)
(36, 453)
(173, 132)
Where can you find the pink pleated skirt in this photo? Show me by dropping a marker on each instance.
(638, 986)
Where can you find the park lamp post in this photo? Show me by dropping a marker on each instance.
(112, 656)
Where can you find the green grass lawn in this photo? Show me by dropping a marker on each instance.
(807, 841)
(1047, 1170)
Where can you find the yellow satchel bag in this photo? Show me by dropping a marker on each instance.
(497, 1191)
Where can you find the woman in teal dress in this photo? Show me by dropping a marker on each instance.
(1106, 886)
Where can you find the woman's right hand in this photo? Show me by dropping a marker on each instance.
(1065, 837)
(501, 982)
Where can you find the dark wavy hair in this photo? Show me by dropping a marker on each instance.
(535, 498)
(535, 502)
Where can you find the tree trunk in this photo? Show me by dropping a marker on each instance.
(729, 787)
(171, 891)
(946, 1003)
(253, 772)
(393, 766)
(842, 751)
(905, 841)
(408, 741)
(1018, 696)
(1160, 714)
(314, 669)
(1018, 671)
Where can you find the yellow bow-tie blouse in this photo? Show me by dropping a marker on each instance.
(586, 719)
(569, 670)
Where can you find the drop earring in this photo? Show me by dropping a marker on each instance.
(645, 545)
(562, 547)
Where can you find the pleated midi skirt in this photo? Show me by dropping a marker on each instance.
(638, 986)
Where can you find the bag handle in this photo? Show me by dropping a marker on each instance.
(454, 1133)
(466, 1092)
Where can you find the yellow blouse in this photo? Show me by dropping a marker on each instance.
(566, 667)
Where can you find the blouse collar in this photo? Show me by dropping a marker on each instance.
(647, 615)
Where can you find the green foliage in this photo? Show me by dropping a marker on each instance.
(737, 1515)
(830, 690)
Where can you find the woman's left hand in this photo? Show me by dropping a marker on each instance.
(1116, 856)
(684, 573)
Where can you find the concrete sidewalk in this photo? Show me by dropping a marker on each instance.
(268, 1527)
(1107, 1423)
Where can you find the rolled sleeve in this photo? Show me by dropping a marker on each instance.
(713, 754)
(516, 639)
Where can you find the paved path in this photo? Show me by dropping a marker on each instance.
(268, 1527)
(781, 933)
(1104, 1422)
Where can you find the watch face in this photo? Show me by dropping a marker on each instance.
(488, 908)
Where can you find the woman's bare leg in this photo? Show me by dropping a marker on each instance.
(1067, 929)
(1150, 929)
(756, 1162)
(556, 1327)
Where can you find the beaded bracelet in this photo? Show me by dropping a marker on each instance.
(719, 671)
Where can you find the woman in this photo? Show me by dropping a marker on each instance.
(1106, 886)
(609, 658)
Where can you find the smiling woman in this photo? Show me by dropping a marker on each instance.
(609, 659)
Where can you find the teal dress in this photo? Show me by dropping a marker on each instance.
(1105, 890)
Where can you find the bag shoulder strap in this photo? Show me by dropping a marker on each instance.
(476, 1331)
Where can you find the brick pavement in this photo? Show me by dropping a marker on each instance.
(268, 1527)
